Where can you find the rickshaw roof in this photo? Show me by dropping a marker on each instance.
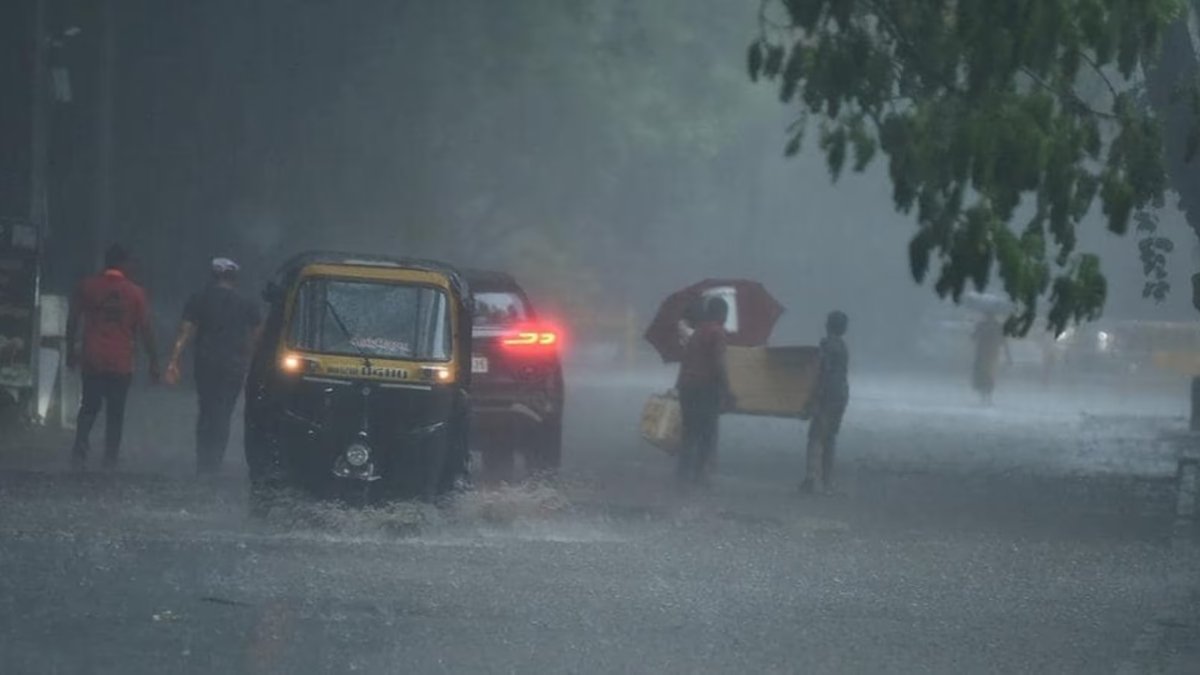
(293, 266)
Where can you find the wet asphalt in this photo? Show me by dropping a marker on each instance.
(1040, 535)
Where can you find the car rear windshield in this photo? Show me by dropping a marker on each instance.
(371, 319)
(499, 308)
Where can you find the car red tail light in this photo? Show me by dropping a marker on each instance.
(532, 339)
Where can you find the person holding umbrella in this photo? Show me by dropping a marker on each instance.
(703, 387)
(754, 309)
(693, 314)
(689, 328)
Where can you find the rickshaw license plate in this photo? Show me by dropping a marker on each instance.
(479, 364)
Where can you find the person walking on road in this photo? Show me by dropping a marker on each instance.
(112, 313)
(830, 398)
(225, 325)
(989, 342)
(693, 314)
(703, 387)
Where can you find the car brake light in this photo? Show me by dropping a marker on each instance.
(532, 338)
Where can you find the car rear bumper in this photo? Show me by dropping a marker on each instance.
(495, 406)
(537, 399)
(508, 409)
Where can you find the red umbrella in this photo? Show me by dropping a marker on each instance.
(752, 315)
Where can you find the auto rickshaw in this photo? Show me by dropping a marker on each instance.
(359, 385)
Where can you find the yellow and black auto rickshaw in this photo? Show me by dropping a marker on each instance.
(359, 385)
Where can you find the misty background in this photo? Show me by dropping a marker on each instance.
(607, 152)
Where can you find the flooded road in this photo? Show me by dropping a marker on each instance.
(1035, 536)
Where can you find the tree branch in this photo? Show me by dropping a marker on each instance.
(906, 44)
(1096, 67)
(1062, 95)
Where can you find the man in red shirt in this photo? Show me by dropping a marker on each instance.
(703, 387)
(115, 314)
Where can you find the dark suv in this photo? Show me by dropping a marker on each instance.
(517, 381)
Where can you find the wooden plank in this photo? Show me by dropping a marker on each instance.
(772, 381)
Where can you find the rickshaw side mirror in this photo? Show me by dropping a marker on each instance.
(273, 294)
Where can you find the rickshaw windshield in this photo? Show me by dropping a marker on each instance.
(372, 319)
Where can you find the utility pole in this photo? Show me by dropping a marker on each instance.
(38, 199)
(103, 230)
(38, 207)
(1179, 61)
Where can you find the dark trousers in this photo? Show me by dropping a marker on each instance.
(218, 396)
(822, 441)
(701, 411)
(108, 391)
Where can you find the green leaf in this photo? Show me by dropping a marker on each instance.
(1192, 144)
(1008, 104)
(1145, 221)
(774, 61)
(834, 145)
(1117, 195)
(805, 13)
(918, 256)
(754, 60)
(864, 146)
(794, 144)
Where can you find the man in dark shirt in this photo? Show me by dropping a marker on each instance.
(225, 325)
(114, 314)
(830, 397)
(703, 387)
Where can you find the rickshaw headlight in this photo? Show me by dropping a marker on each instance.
(437, 374)
(357, 455)
(291, 363)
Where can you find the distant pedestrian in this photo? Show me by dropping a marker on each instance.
(989, 343)
(1052, 347)
(113, 314)
(225, 325)
(703, 387)
(830, 397)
